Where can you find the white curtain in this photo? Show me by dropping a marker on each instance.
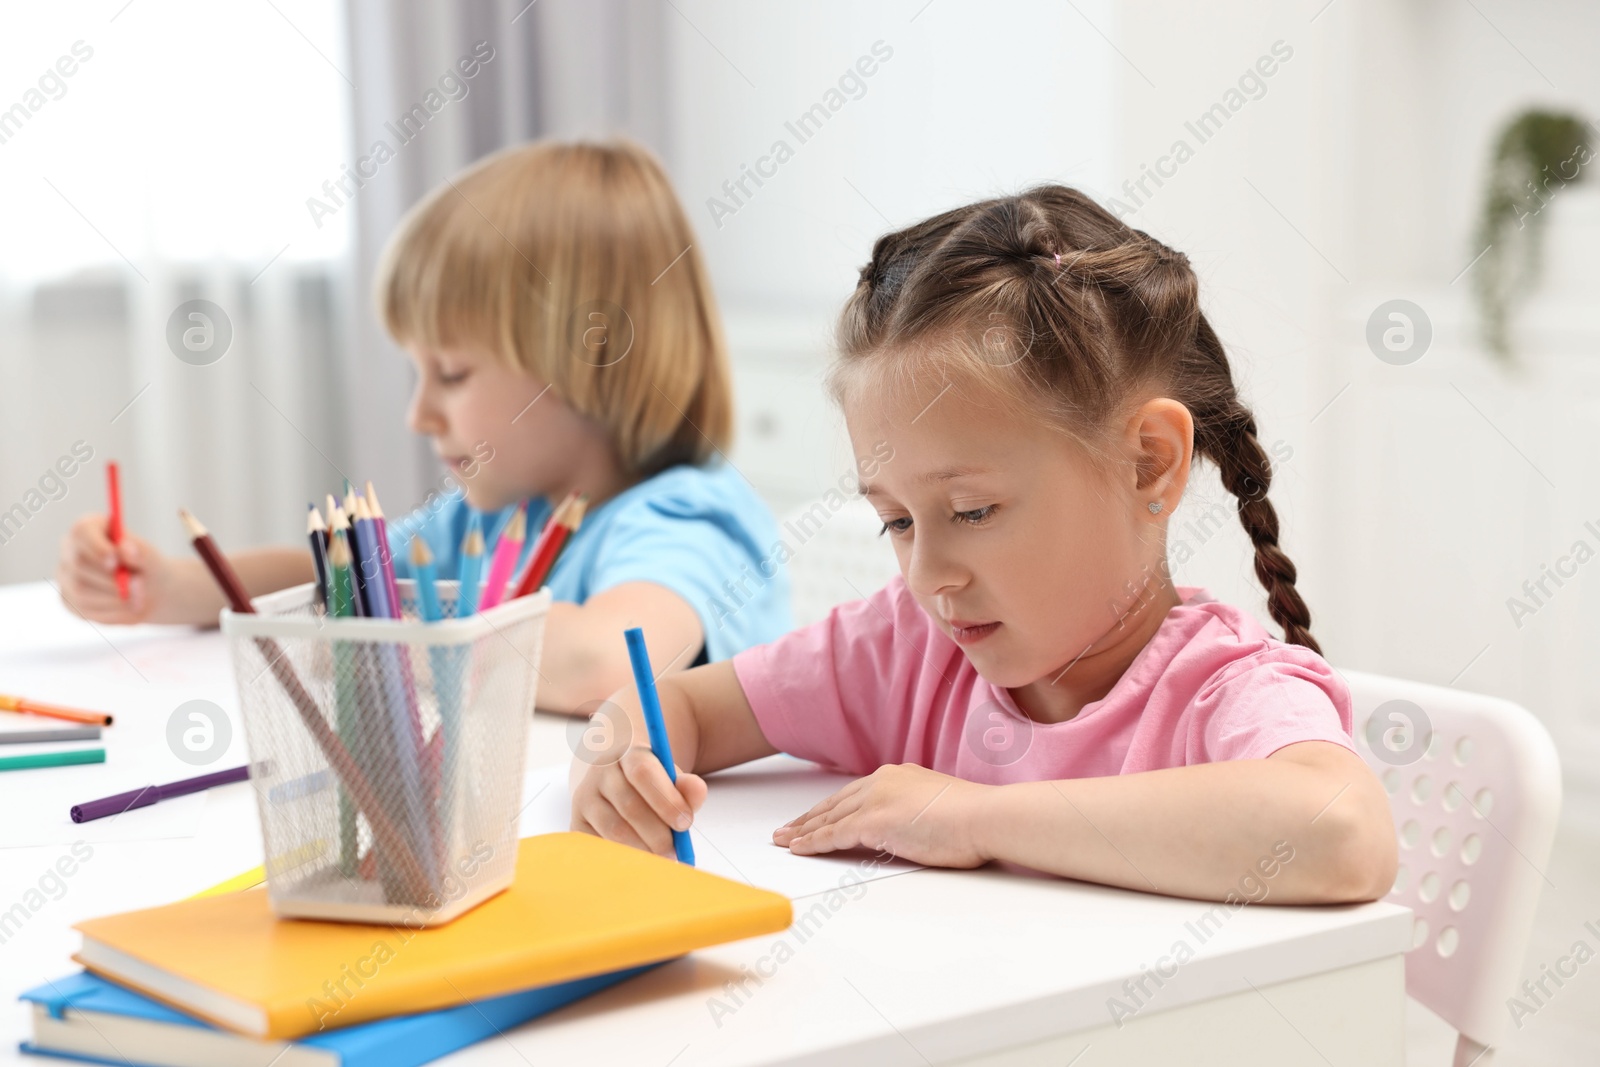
(310, 390)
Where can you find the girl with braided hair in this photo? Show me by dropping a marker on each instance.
(1034, 688)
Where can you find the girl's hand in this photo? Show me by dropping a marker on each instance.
(87, 574)
(906, 810)
(632, 800)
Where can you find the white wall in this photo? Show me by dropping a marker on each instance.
(954, 114)
(1455, 479)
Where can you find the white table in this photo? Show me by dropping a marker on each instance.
(931, 966)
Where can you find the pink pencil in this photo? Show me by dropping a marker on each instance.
(506, 551)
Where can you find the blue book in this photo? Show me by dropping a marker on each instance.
(89, 1019)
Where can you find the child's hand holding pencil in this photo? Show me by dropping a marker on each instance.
(631, 800)
(643, 798)
(87, 573)
(108, 575)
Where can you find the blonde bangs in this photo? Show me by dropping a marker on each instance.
(575, 263)
(440, 285)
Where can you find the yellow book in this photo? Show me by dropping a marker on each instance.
(579, 906)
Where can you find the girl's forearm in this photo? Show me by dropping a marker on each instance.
(708, 719)
(1257, 829)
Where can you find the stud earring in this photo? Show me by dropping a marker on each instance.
(1155, 507)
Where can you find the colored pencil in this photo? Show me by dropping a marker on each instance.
(381, 526)
(363, 595)
(317, 532)
(343, 606)
(399, 686)
(90, 810)
(394, 708)
(506, 550)
(221, 570)
(341, 525)
(547, 534)
(341, 584)
(369, 567)
(471, 570)
(311, 715)
(440, 758)
(53, 711)
(559, 510)
(52, 759)
(66, 733)
(367, 698)
(650, 703)
(557, 532)
(427, 581)
(114, 523)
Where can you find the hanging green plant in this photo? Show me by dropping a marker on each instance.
(1538, 153)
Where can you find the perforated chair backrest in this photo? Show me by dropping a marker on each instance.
(838, 556)
(1475, 787)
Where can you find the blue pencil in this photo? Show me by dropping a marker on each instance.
(442, 755)
(644, 680)
(471, 573)
(427, 578)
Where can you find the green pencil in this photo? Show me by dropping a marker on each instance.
(52, 759)
(342, 604)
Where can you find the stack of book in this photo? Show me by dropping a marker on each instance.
(220, 979)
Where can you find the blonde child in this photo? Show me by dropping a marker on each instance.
(563, 336)
(1034, 688)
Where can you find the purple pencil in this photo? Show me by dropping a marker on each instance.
(90, 810)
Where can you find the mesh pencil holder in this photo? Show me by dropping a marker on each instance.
(386, 754)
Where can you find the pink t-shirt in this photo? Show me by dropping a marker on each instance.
(877, 683)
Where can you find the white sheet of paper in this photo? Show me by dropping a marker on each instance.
(51, 793)
(139, 674)
(732, 834)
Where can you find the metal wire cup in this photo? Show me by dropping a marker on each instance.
(391, 777)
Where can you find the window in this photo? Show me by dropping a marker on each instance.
(170, 130)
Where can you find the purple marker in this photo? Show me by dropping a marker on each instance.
(90, 810)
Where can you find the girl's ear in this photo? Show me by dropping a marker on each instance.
(1161, 435)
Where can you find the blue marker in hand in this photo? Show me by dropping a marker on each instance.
(644, 681)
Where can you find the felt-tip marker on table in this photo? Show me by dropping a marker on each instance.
(650, 703)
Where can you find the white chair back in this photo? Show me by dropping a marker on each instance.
(838, 556)
(1475, 787)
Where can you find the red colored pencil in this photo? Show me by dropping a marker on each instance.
(114, 524)
(563, 524)
(545, 533)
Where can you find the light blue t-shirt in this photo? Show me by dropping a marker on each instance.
(699, 531)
